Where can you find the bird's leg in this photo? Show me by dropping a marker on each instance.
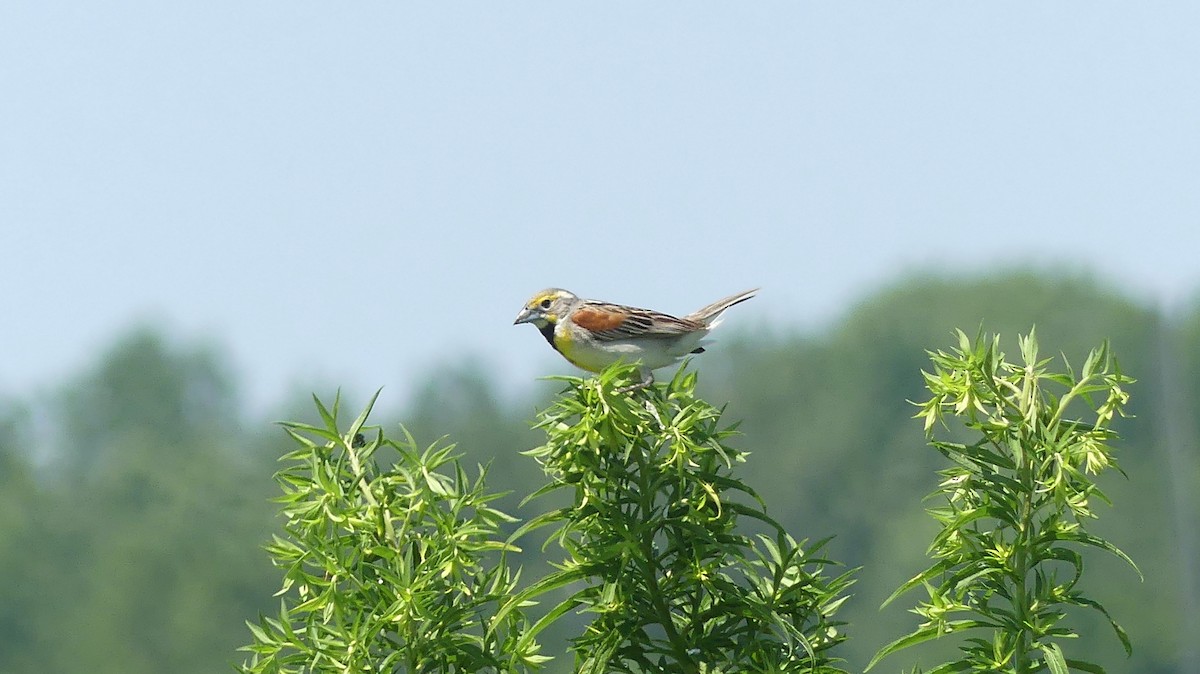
(647, 379)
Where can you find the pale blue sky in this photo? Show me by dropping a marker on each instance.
(354, 192)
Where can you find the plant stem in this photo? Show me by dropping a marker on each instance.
(647, 563)
(360, 477)
(1021, 543)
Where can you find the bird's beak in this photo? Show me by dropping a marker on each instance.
(526, 316)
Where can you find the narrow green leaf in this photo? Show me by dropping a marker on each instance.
(530, 633)
(1120, 631)
(362, 418)
(259, 633)
(1054, 659)
(330, 418)
(1085, 666)
(948, 667)
(937, 569)
(539, 522)
(1080, 536)
(925, 633)
(548, 583)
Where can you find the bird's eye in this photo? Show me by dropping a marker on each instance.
(546, 303)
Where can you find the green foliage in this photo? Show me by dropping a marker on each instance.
(386, 570)
(836, 452)
(134, 493)
(1015, 502)
(403, 569)
(488, 426)
(653, 536)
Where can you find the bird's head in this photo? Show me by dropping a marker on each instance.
(546, 307)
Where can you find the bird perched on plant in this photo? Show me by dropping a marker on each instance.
(593, 335)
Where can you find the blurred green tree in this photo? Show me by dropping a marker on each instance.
(139, 540)
(20, 505)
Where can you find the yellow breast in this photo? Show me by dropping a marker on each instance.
(580, 354)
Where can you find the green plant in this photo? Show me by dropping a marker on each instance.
(402, 570)
(1014, 505)
(386, 570)
(655, 548)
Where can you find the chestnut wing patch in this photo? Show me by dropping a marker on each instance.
(598, 319)
(609, 322)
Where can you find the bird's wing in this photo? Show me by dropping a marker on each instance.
(610, 322)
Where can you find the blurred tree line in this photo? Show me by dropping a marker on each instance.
(134, 500)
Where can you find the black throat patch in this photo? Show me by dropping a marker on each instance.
(547, 331)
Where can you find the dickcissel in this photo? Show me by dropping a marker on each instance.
(593, 335)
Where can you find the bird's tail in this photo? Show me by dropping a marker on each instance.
(711, 314)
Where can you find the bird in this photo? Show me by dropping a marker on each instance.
(592, 334)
